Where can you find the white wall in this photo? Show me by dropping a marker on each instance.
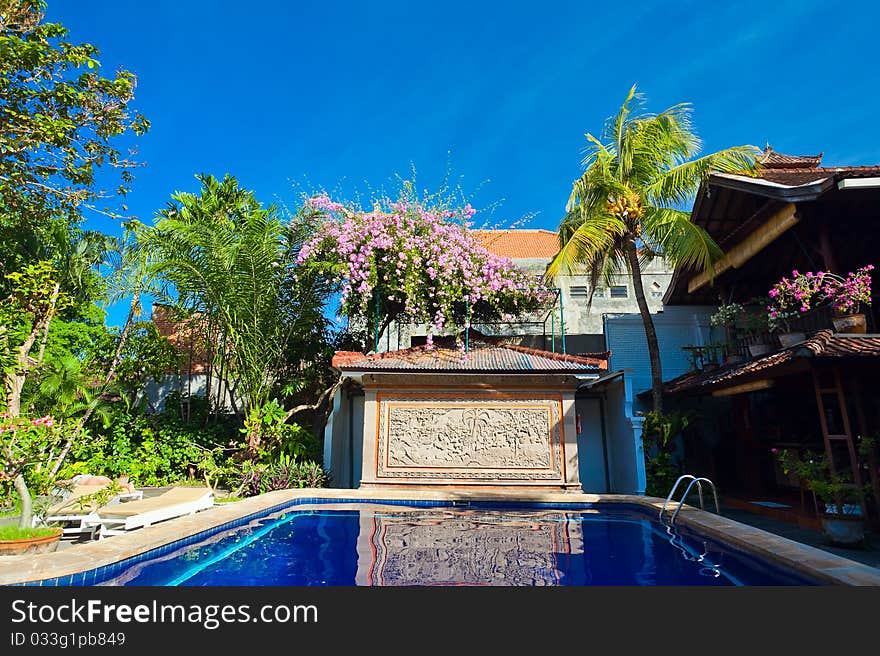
(158, 390)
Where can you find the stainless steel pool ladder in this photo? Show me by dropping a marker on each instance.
(698, 481)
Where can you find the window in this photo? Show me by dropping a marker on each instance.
(599, 292)
(619, 292)
(578, 292)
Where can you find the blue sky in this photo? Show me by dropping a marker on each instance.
(343, 95)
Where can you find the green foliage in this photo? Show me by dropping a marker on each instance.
(832, 488)
(146, 355)
(230, 264)
(15, 533)
(277, 438)
(58, 120)
(156, 450)
(659, 433)
(285, 473)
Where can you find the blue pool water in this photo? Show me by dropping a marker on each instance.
(372, 544)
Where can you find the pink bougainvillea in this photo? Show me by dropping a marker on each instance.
(423, 263)
(802, 291)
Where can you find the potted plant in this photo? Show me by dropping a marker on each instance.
(22, 443)
(756, 325)
(837, 500)
(788, 298)
(727, 316)
(846, 296)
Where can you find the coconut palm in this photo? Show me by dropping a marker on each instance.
(625, 209)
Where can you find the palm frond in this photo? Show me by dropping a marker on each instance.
(678, 184)
(672, 233)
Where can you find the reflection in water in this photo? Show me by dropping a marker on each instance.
(465, 548)
(375, 545)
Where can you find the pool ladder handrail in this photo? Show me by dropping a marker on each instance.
(698, 480)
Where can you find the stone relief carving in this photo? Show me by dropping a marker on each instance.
(511, 439)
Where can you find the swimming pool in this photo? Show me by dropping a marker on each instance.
(377, 544)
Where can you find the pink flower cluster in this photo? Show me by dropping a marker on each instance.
(846, 294)
(799, 292)
(421, 260)
(795, 293)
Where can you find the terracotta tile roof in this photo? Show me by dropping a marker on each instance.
(771, 159)
(794, 170)
(824, 344)
(519, 244)
(485, 354)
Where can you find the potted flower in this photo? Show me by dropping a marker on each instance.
(788, 298)
(846, 296)
(22, 442)
(838, 501)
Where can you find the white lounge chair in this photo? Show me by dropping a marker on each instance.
(117, 518)
(76, 511)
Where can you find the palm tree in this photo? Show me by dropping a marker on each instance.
(625, 209)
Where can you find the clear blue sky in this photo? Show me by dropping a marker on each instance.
(346, 94)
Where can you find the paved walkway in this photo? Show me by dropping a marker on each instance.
(870, 555)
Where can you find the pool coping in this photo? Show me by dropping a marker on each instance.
(83, 564)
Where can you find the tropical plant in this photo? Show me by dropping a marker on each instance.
(228, 264)
(283, 474)
(413, 260)
(623, 210)
(25, 316)
(659, 434)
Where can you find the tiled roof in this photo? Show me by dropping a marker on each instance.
(794, 170)
(484, 354)
(824, 344)
(519, 244)
(771, 159)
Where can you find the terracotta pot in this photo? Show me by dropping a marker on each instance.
(45, 544)
(790, 339)
(758, 349)
(843, 529)
(850, 323)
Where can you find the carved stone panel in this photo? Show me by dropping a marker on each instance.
(469, 439)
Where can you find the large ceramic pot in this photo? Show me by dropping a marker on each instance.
(850, 323)
(790, 339)
(843, 529)
(44, 544)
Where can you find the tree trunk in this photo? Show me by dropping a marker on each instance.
(132, 311)
(15, 379)
(650, 332)
(27, 506)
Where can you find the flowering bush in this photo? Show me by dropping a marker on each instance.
(421, 262)
(803, 290)
(846, 294)
(792, 295)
